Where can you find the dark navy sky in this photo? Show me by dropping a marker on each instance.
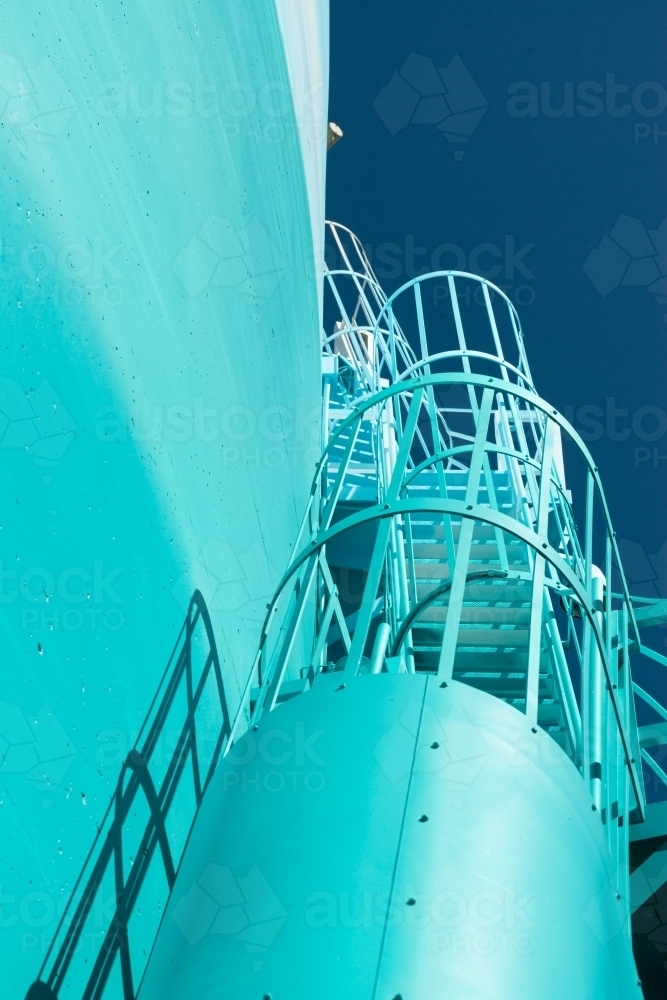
(556, 183)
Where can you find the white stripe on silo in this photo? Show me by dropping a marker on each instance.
(305, 31)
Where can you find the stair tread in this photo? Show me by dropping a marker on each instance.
(437, 614)
(493, 635)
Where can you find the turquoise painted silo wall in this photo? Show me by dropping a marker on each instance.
(159, 388)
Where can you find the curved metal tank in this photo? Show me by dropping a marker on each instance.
(390, 837)
(161, 192)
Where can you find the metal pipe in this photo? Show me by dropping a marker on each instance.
(379, 648)
(596, 691)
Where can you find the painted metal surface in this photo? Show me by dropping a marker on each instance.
(394, 838)
(159, 292)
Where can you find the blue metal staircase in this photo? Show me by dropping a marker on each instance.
(492, 648)
(442, 485)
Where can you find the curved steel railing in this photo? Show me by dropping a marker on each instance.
(504, 430)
